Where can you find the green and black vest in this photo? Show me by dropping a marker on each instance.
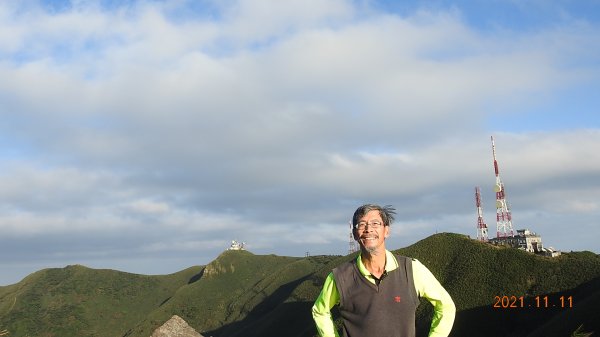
(386, 309)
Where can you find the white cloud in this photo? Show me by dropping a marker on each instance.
(259, 21)
(149, 207)
(271, 124)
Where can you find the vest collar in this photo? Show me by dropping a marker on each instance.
(390, 264)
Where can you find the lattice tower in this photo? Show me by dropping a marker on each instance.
(352, 245)
(482, 229)
(504, 225)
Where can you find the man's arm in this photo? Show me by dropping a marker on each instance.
(444, 309)
(321, 310)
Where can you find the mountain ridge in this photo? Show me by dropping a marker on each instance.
(240, 293)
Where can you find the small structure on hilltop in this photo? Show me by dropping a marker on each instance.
(528, 241)
(524, 239)
(237, 245)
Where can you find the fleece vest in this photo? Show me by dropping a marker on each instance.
(386, 309)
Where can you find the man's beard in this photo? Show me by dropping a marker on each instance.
(372, 249)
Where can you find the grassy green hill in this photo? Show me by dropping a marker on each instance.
(78, 301)
(236, 287)
(242, 294)
(475, 273)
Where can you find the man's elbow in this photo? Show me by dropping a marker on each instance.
(449, 308)
(449, 312)
(318, 312)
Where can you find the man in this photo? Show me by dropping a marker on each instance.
(378, 293)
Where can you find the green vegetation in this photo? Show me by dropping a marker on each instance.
(474, 273)
(579, 333)
(78, 301)
(242, 294)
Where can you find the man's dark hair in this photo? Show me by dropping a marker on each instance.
(386, 212)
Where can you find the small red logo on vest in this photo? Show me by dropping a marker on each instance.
(397, 299)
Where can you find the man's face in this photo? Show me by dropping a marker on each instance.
(369, 235)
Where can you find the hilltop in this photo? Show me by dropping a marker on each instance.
(243, 294)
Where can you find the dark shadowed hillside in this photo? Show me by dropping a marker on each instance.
(475, 273)
(242, 294)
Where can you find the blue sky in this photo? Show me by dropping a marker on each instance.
(145, 137)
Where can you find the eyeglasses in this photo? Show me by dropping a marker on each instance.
(375, 224)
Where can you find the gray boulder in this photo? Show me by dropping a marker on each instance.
(175, 327)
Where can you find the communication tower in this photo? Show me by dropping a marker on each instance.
(504, 226)
(482, 229)
(352, 246)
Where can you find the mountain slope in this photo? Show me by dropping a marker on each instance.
(238, 285)
(475, 273)
(79, 301)
(242, 294)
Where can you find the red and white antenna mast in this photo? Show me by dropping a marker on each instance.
(352, 246)
(504, 226)
(482, 230)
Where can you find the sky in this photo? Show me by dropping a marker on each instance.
(145, 136)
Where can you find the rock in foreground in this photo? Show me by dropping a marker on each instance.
(175, 327)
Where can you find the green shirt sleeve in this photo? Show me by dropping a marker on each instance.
(430, 288)
(321, 310)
